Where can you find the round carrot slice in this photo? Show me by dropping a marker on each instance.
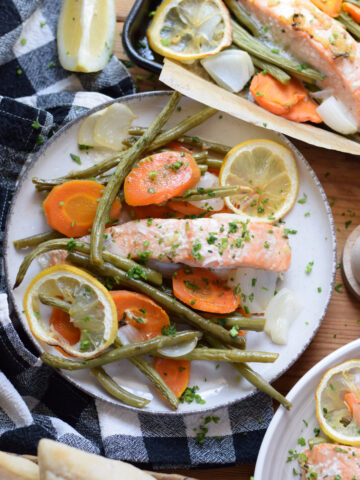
(203, 290)
(60, 321)
(70, 207)
(159, 177)
(178, 147)
(175, 373)
(304, 111)
(274, 96)
(141, 313)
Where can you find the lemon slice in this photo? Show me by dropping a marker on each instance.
(107, 128)
(337, 418)
(268, 173)
(92, 310)
(85, 34)
(190, 29)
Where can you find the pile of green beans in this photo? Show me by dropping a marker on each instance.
(246, 42)
(79, 246)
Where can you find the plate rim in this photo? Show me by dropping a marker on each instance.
(127, 98)
(299, 385)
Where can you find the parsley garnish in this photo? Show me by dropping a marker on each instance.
(137, 273)
(308, 268)
(190, 395)
(76, 158)
(169, 330)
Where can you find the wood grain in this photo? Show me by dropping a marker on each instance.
(339, 175)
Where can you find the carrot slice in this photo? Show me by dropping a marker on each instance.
(304, 111)
(60, 321)
(70, 207)
(141, 313)
(151, 211)
(185, 208)
(353, 10)
(203, 290)
(175, 373)
(274, 96)
(178, 147)
(330, 7)
(159, 177)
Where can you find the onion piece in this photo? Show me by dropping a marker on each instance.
(179, 350)
(281, 311)
(321, 94)
(336, 116)
(231, 69)
(209, 180)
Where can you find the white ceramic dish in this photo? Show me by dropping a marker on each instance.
(287, 427)
(315, 241)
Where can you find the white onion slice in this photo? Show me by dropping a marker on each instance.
(322, 94)
(129, 334)
(178, 350)
(231, 69)
(336, 116)
(209, 180)
(281, 311)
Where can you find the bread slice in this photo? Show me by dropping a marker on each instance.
(61, 462)
(13, 467)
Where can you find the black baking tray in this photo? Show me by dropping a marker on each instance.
(134, 37)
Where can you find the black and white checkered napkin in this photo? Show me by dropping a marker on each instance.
(35, 401)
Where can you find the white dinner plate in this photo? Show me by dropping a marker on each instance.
(314, 242)
(288, 426)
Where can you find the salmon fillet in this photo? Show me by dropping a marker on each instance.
(203, 242)
(331, 462)
(315, 39)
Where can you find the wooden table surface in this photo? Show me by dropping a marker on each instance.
(339, 174)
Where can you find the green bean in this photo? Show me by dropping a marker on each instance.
(116, 391)
(121, 352)
(43, 185)
(355, 2)
(190, 140)
(243, 16)
(79, 246)
(203, 169)
(169, 303)
(350, 25)
(255, 324)
(149, 371)
(225, 355)
(207, 193)
(123, 168)
(274, 71)
(175, 132)
(253, 377)
(253, 46)
(214, 163)
(312, 442)
(200, 156)
(35, 240)
(55, 302)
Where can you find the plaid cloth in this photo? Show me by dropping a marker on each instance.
(35, 401)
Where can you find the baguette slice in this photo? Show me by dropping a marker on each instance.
(13, 467)
(61, 462)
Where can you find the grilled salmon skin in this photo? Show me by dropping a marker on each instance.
(203, 242)
(315, 39)
(331, 462)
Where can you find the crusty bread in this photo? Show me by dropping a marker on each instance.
(13, 467)
(61, 462)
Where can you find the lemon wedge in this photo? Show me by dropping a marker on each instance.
(85, 34)
(190, 29)
(268, 173)
(92, 310)
(338, 403)
(106, 128)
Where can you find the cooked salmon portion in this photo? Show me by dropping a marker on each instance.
(204, 242)
(315, 39)
(331, 462)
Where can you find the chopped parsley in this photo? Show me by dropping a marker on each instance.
(76, 158)
(136, 273)
(190, 395)
(338, 288)
(71, 244)
(233, 227)
(169, 330)
(309, 267)
(303, 200)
